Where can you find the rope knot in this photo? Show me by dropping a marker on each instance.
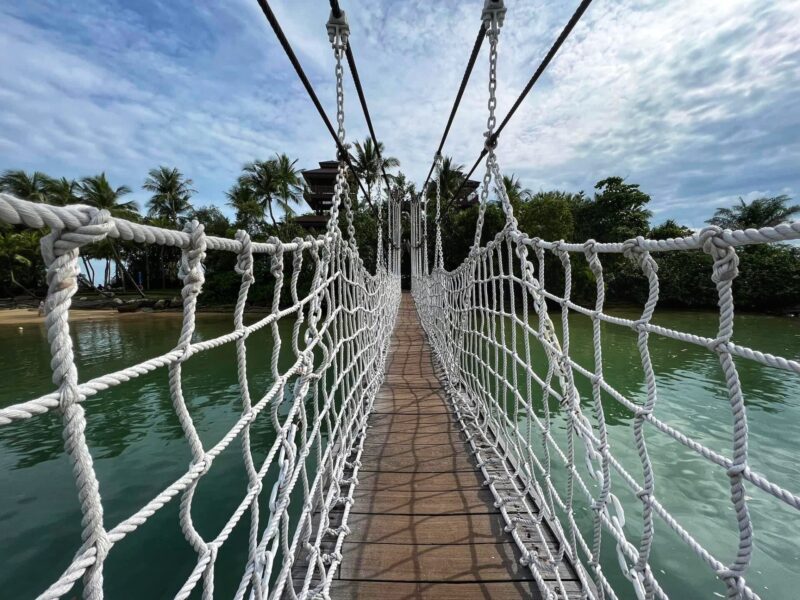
(206, 461)
(718, 344)
(733, 579)
(528, 558)
(63, 242)
(726, 260)
(244, 260)
(736, 470)
(191, 270)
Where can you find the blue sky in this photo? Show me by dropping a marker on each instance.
(695, 100)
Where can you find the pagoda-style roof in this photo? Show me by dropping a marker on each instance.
(462, 202)
(317, 221)
(326, 168)
(320, 185)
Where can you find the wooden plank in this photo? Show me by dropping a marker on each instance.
(372, 590)
(409, 393)
(422, 524)
(413, 452)
(441, 502)
(413, 381)
(410, 426)
(389, 418)
(410, 463)
(377, 437)
(432, 562)
(409, 407)
(494, 561)
(419, 482)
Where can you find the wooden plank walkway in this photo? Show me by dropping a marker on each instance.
(422, 524)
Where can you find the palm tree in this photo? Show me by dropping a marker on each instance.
(259, 177)
(270, 181)
(249, 213)
(761, 212)
(450, 178)
(288, 185)
(171, 195)
(403, 186)
(62, 191)
(516, 194)
(15, 248)
(369, 163)
(98, 192)
(22, 185)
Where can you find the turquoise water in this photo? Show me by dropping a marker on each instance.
(693, 399)
(139, 449)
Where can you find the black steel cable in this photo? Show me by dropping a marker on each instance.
(531, 82)
(464, 79)
(351, 61)
(357, 80)
(287, 48)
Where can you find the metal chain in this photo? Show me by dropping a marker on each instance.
(493, 21)
(338, 34)
(438, 257)
(379, 203)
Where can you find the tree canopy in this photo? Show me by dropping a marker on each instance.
(761, 212)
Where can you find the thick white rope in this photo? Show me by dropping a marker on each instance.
(466, 314)
(348, 314)
(318, 406)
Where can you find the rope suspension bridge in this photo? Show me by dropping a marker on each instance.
(430, 402)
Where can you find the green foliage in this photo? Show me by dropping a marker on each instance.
(214, 222)
(369, 163)
(31, 187)
(668, 229)
(264, 183)
(516, 194)
(761, 212)
(171, 194)
(98, 192)
(616, 213)
(769, 276)
(549, 215)
(21, 264)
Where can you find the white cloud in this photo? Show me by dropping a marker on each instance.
(696, 101)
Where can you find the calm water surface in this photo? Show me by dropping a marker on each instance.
(139, 449)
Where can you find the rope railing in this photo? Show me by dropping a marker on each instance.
(488, 319)
(484, 320)
(317, 406)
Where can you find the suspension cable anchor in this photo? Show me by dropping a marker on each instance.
(338, 28)
(493, 15)
(491, 141)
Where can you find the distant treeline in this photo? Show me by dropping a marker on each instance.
(266, 192)
(769, 278)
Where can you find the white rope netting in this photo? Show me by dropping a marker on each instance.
(485, 321)
(340, 334)
(318, 406)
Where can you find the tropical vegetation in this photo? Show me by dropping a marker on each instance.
(267, 193)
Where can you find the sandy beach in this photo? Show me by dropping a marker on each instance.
(29, 316)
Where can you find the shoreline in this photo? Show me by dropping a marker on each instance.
(30, 316)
